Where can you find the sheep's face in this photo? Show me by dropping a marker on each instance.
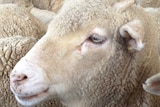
(78, 65)
(71, 67)
(63, 62)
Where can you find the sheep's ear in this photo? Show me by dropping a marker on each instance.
(152, 85)
(123, 5)
(133, 32)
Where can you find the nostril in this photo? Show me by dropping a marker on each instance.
(25, 77)
(21, 77)
(18, 78)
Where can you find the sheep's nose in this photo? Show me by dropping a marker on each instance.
(17, 79)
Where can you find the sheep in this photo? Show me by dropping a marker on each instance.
(51, 5)
(149, 3)
(45, 15)
(94, 54)
(45, 10)
(24, 3)
(16, 20)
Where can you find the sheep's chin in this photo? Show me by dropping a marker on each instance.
(33, 99)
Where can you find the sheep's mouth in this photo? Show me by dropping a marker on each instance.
(30, 97)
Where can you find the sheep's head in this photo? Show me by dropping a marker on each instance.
(79, 65)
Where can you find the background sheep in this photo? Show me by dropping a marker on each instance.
(93, 55)
(45, 10)
(148, 3)
(41, 9)
(52, 5)
(24, 3)
(44, 16)
(16, 20)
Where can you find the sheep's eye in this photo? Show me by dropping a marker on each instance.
(95, 38)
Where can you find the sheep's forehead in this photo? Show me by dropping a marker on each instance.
(79, 28)
(74, 19)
